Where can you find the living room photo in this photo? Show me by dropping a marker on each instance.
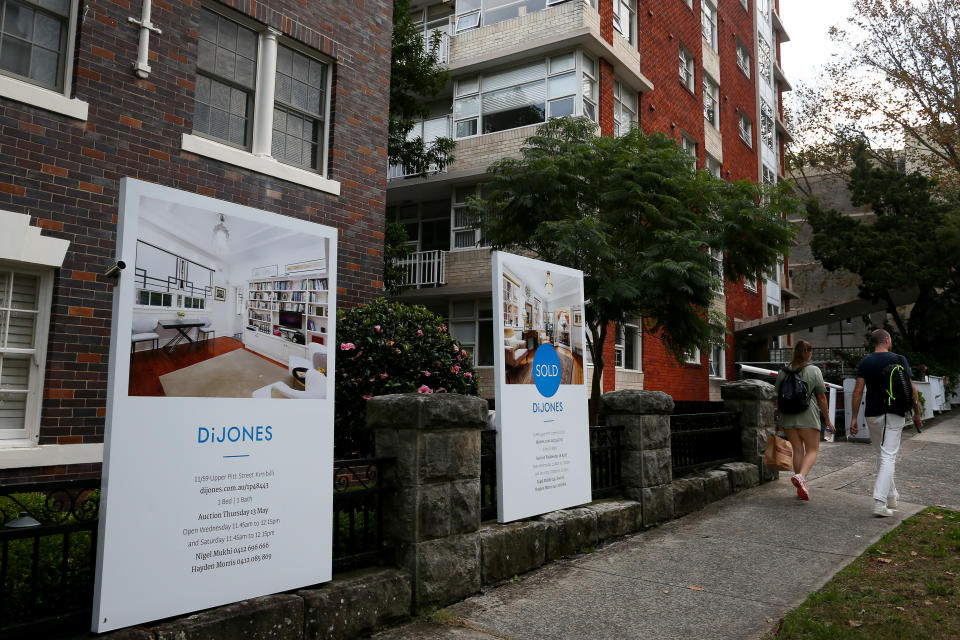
(226, 306)
(541, 307)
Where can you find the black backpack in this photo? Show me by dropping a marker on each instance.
(897, 391)
(792, 396)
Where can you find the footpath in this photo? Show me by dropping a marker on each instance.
(731, 570)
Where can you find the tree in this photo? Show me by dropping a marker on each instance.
(912, 244)
(637, 219)
(415, 73)
(895, 83)
(395, 248)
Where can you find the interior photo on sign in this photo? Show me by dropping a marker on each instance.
(227, 307)
(541, 308)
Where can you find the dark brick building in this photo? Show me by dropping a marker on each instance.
(211, 111)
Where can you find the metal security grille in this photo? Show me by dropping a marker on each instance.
(704, 440)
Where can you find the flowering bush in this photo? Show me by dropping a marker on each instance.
(389, 347)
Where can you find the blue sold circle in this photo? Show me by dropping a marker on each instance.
(546, 370)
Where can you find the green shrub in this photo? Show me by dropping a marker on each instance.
(388, 347)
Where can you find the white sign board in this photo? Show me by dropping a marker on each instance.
(543, 439)
(218, 454)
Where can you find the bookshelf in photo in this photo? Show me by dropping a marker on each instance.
(293, 310)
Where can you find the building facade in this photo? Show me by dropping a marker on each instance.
(690, 69)
(279, 106)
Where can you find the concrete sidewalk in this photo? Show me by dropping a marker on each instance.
(729, 571)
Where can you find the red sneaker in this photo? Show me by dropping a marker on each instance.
(802, 491)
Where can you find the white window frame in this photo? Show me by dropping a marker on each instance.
(622, 112)
(29, 435)
(769, 176)
(750, 284)
(686, 67)
(478, 321)
(627, 8)
(745, 125)
(474, 17)
(456, 207)
(716, 256)
(693, 357)
(711, 101)
(713, 166)
(763, 8)
(708, 23)
(718, 362)
(688, 144)
(743, 58)
(767, 135)
(765, 60)
(620, 354)
(51, 99)
(473, 87)
(258, 156)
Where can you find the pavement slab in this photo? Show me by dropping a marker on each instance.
(731, 570)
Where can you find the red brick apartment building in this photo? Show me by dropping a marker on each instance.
(280, 106)
(705, 72)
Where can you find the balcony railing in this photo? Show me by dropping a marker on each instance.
(429, 130)
(424, 268)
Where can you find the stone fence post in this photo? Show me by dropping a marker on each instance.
(754, 400)
(646, 466)
(433, 516)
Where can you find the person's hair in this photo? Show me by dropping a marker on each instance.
(801, 353)
(878, 337)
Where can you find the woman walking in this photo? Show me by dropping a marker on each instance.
(803, 429)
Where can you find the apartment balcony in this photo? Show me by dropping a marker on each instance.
(779, 76)
(429, 130)
(782, 131)
(778, 27)
(540, 32)
(424, 269)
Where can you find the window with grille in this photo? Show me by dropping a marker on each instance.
(300, 109)
(711, 101)
(743, 58)
(686, 67)
(708, 23)
(24, 298)
(746, 129)
(766, 124)
(716, 257)
(465, 236)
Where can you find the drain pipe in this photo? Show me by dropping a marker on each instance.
(142, 66)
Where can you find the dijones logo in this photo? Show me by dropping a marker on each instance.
(546, 370)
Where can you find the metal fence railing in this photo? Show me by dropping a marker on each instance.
(605, 461)
(424, 268)
(703, 440)
(488, 474)
(358, 492)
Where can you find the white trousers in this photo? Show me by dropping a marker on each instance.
(885, 432)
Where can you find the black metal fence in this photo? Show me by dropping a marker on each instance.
(358, 492)
(48, 546)
(703, 440)
(488, 475)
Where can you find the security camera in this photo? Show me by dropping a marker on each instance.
(114, 271)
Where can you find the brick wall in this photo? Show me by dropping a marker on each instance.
(663, 373)
(65, 173)
(737, 92)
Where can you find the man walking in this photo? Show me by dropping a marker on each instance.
(885, 428)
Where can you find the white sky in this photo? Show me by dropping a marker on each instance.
(807, 22)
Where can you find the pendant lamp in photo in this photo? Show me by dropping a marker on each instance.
(221, 237)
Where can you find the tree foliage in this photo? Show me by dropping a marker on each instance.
(911, 244)
(895, 83)
(395, 248)
(636, 218)
(415, 73)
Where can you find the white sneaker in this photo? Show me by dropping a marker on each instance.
(893, 502)
(880, 509)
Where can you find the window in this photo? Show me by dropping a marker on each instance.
(260, 97)
(525, 95)
(465, 236)
(24, 322)
(471, 324)
(693, 357)
(625, 19)
(769, 176)
(689, 145)
(154, 298)
(627, 347)
(474, 13)
(766, 124)
(713, 166)
(743, 58)
(750, 284)
(624, 109)
(716, 256)
(190, 302)
(763, 6)
(36, 54)
(708, 23)
(746, 129)
(711, 101)
(765, 60)
(717, 362)
(427, 224)
(686, 67)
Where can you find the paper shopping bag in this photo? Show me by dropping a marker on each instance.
(779, 453)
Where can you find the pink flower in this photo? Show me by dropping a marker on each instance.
(463, 352)
(419, 332)
(367, 397)
(456, 349)
(347, 346)
(455, 368)
(383, 375)
(376, 328)
(440, 390)
(468, 375)
(426, 373)
(424, 389)
(370, 380)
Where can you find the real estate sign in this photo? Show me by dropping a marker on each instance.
(217, 482)
(543, 438)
